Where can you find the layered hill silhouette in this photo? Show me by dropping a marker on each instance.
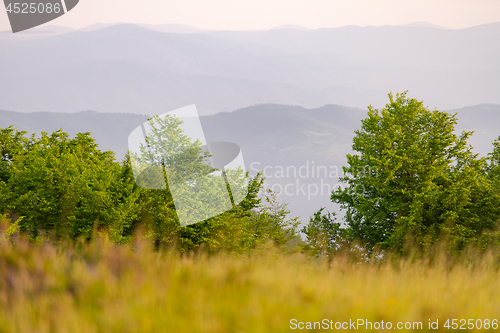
(133, 69)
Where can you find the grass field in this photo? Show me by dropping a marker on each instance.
(106, 288)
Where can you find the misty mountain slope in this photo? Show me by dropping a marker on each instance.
(122, 67)
(417, 47)
(484, 120)
(301, 150)
(423, 24)
(195, 54)
(265, 132)
(269, 133)
(140, 88)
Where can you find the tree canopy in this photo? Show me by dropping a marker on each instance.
(59, 187)
(412, 177)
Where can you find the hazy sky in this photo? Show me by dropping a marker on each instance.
(265, 14)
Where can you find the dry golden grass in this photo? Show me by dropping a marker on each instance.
(107, 288)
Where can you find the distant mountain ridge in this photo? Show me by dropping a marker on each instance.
(127, 68)
(183, 28)
(423, 24)
(290, 26)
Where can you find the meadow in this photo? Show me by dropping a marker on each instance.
(84, 249)
(104, 287)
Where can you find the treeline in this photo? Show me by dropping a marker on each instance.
(411, 182)
(54, 187)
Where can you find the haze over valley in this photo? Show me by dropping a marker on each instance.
(142, 70)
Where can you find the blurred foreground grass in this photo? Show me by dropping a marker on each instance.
(107, 288)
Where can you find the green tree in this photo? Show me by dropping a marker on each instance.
(412, 177)
(493, 168)
(68, 188)
(323, 233)
(173, 158)
(65, 185)
(12, 142)
(169, 164)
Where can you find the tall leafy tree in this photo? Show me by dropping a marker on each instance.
(65, 185)
(170, 154)
(412, 176)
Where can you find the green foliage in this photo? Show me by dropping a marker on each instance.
(257, 220)
(65, 185)
(170, 153)
(12, 142)
(413, 178)
(270, 221)
(13, 227)
(178, 160)
(67, 188)
(493, 168)
(323, 233)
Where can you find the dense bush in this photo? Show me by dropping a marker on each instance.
(66, 188)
